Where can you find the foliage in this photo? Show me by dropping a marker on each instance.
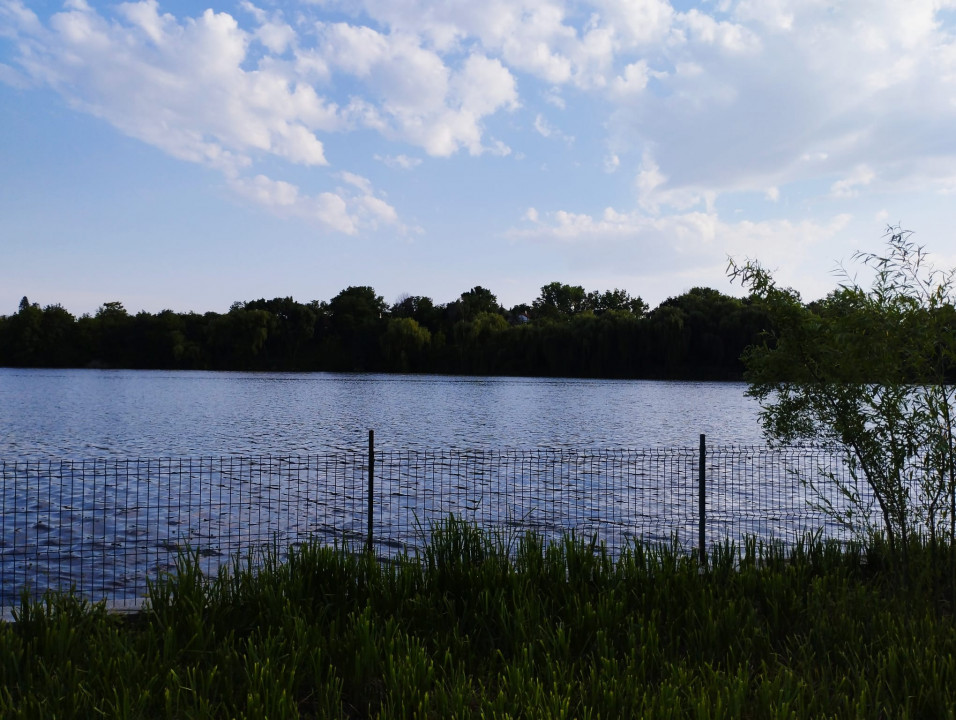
(868, 368)
(405, 342)
(571, 333)
(487, 625)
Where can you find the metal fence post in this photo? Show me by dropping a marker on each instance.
(371, 488)
(702, 501)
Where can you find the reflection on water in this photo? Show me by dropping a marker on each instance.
(127, 413)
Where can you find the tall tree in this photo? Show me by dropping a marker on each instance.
(478, 300)
(558, 300)
(357, 318)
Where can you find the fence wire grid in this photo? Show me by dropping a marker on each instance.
(104, 527)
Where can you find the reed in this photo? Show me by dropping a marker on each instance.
(489, 624)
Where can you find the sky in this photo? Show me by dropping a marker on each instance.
(185, 156)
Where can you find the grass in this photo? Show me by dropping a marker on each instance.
(487, 626)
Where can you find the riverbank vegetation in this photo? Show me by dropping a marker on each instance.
(565, 332)
(868, 368)
(485, 625)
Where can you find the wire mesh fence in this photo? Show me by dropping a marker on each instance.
(104, 527)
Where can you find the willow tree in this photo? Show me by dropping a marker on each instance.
(867, 368)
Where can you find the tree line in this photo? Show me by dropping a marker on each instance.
(566, 331)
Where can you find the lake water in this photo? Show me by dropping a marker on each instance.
(106, 475)
(125, 413)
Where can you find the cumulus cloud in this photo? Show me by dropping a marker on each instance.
(640, 23)
(740, 96)
(542, 38)
(785, 92)
(743, 91)
(417, 97)
(632, 80)
(205, 89)
(347, 210)
(180, 86)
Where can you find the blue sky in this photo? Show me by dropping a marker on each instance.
(166, 155)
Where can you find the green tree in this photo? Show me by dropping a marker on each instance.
(357, 317)
(420, 309)
(706, 335)
(292, 333)
(479, 342)
(867, 368)
(478, 300)
(355, 308)
(237, 338)
(24, 335)
(111, 326)
(558, 300)
(404, 343)
(616, 300)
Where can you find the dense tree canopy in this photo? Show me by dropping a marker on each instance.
(565, 331)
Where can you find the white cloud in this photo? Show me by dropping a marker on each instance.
(362, 183)
(779, 243)
(498, 148)
(797, 91)
(267, 192)
(547, 130)
(542, 38)
(654, 194)
(640, 23)
(329, 210)
(849, 186)
(776, 15)
(649, 179)
(180, 86)
(418, 97)
(484, 85)
(633, 79)
(668, 252)
(848, 99)
(277, 37)
(553, 97)
(403, 162)
(379, 210)
(258, 13)
(342, 211)
(727, 36)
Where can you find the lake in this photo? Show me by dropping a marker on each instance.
(130, 413)
(105, 476)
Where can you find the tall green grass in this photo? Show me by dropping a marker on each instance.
(486, 625)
